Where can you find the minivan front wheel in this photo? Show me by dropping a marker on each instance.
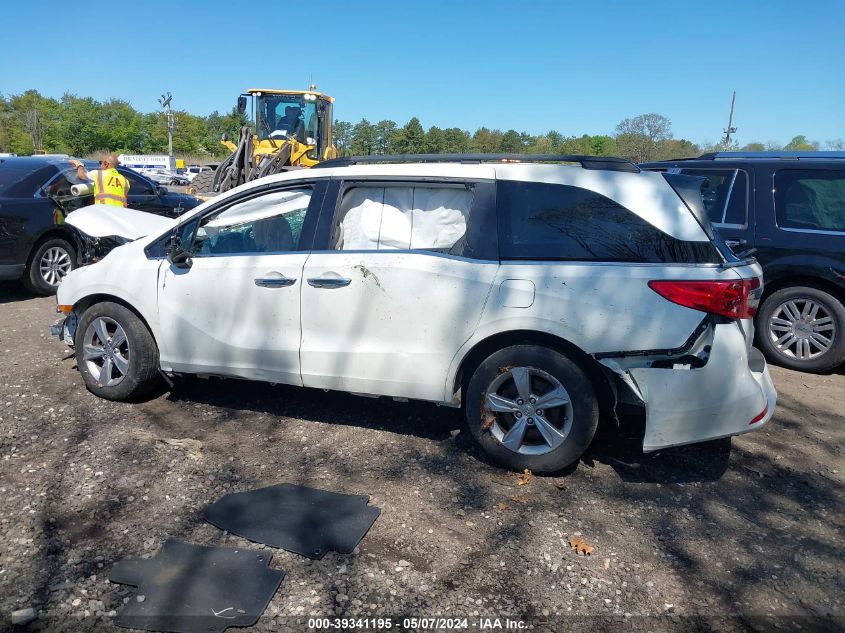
(531, 407)
(115, 352)
(802, 328)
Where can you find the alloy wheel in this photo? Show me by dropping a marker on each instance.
(106, 351)
(802, 329)
(54, 265)
(528, 410)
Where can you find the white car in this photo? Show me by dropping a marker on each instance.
(159, 176)
(537, 296)
(192, 171)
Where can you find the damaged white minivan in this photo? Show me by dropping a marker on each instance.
(537, 296)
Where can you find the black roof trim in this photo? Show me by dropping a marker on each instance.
(587, 162)
(774, 155)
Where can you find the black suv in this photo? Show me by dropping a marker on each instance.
(35, 245)
(788, 208)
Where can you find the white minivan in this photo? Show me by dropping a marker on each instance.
(538, 297)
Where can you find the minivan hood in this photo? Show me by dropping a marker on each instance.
(101, 220)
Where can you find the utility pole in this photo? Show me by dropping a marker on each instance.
(165, 103)
(730, 130)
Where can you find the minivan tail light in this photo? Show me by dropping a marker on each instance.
(737, 299)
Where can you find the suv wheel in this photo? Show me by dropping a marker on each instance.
(531, 407)
(115, 352)
(802, 328)
(49, 264)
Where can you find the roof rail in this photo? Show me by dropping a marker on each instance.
(805, 155)
(587, 162)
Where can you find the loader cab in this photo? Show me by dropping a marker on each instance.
(301, 116)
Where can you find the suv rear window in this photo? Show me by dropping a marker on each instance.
(558, 222)
(811, 199)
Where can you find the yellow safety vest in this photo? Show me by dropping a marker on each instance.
(110, 187)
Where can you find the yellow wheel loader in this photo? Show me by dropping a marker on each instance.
(293, 129)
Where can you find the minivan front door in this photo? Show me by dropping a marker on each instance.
(236, 310)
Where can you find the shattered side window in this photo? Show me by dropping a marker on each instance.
(402, 217)
(271, 223)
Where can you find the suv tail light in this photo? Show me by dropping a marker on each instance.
(734, 299)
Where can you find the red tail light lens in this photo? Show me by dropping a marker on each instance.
(734, 299)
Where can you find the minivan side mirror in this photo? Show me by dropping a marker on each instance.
(176, 255)
(161, 190)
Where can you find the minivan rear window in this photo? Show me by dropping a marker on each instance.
(810, 199)
(541, 221)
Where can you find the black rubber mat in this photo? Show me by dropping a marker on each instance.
(301, 520)
(196, 589)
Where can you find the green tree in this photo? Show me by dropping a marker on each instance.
(342, 137)
(486, 141)
(511, 142)
(411, 138)
(754, 147)
(801, 144)
(385, 136)
(364, 138)
(435, 141)
(456, 141)
(79, 125)
(120, 126)
(638, 138)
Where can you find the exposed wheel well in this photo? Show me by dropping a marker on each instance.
(605, 390)
(86, 302)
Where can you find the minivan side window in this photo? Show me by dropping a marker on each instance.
(810, 199)
(402, 217)
(724, 193)
(268, 223)
(540, 221)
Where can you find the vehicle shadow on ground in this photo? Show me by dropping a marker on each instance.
(421, 419)
(12, 291)
(703, 462)
(696, 463)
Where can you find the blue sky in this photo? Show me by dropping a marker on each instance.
(576, 67)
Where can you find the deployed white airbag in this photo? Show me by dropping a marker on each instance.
(262, 207)
(102, 220)
(403, 217)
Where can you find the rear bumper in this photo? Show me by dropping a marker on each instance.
(731, 394)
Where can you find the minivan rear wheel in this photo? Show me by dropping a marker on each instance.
(802, 328)
(531, 407)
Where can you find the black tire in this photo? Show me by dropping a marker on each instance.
(140, 353)
(818, 360)
(203, 183)
(583, 412)
(36, 279)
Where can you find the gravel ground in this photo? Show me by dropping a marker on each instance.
(726, 537)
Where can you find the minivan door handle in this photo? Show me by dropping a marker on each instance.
(274, 280)
(326, 281)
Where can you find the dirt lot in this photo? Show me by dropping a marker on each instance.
(686, 539)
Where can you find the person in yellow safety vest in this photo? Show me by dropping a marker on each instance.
(110, 186)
